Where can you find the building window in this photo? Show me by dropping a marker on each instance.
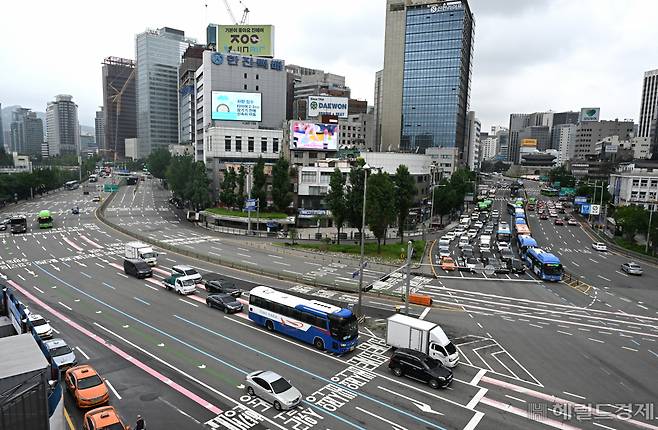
(324, 177)
(238, 144)
(308, 177)
(256, 76)
(636, 182)
(245, 86)
(263, 144)
(250, 144)
(256, 87)
(227, 143)
(312, 155)
(245, 76)
(275, 145)
(654, 182)
(644, 182)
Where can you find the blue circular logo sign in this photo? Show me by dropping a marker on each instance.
(217, 58)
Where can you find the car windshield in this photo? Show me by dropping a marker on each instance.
(343, 328)
(149, 255)
(187, 282)
(89, 382)
(450, 348)
(431, 362)
(280, 386)
(228, 300)
(38, 321)
(113, 426)
(60, 350)
(191, 272)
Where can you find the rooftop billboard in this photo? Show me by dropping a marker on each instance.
(321, 105)
(256, 40)
(312, 136)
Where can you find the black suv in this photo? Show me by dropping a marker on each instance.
(223, 287)
(420, 366)
(137, 268)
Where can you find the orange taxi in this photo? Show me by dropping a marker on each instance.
(105, 418)
(86, 386)
(447, 263)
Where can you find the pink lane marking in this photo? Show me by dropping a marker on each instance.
(555, 399)
(525, 414)
(184, 391)
(116, 266)
(164, 272)
(196, 298)
(91, 242)
(153, 281)
(72, 244)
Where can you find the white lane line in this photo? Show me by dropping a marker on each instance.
(65, 306)
(189, 303)
(143, 301)
(411, 399)
(564, 332)
(425, 312)
(281, 263)
(151, 287)
(82, 352)
(476, 398)
(515, 398)
(112, 388)
(604, 278)
(292, 271)
(478, 376)
(121, 274)
(38, 289)
(243, 255)
(643, 307)
(20, 276)
(391, 423)
(574, 395)
(475, 420)
(535, 325)
(630, 349)
(595, 340)
(602, 426)
(274, 256)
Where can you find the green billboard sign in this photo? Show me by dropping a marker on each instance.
(256, 40)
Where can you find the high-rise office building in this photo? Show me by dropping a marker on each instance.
(119, 106)
(379, 99)
(2, 133)
(158, 54)
(564, 136)
(428, 52)
(26, 132)
(590, 132)
(541, 133)
(518, 122)
(62, 128)
(561, 118)
(191, 61)
(99, 128)
(649, 111)
(472, 150)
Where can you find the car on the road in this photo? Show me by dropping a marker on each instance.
(558, 221)
(506, 254)
(472, 233)
(543, 216)
(104, 418)
(498, 265)
(450, 235)
(4, 223)
(516, 266)
(599, 246)
(632, 268)
(447, 263)
(553, 214)
(485, 256)
(463, 241)
(224, 302)
(444, 251)
(86, 386)
(41, 326)
(485, 246)
(572, 221)
(61, 353)
(75, 211)
(420, 366)
(472, 264)
(137, 267)
(187, 271)
(96, 199)
(222, 286)
(478, 225)
(273, 388)
(488, 230)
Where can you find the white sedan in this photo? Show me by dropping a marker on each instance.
(599, 246)
(449, 235)
(41, 326)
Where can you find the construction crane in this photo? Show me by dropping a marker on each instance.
(245, 13)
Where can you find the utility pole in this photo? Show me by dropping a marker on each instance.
(363, 233)
(406, 295)
(589, 216)
(646, 247)
(248, 198)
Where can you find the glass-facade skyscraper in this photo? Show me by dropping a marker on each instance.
(428, 54)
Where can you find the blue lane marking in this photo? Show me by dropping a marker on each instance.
(200, 351)
(143, 301)
(328, 381)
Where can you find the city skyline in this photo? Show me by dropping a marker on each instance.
(527, 58)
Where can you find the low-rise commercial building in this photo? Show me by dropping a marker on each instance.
(635, 184)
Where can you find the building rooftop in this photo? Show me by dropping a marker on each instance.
(20, 354)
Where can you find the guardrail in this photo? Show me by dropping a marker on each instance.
(620, 249)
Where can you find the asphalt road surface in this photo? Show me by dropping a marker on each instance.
(531, 351)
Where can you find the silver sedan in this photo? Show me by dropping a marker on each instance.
(273, 388)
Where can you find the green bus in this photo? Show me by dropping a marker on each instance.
(44, 219)
(548, 191)
(485, 204)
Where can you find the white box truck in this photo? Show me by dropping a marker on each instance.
(142, 251)
(425, 336)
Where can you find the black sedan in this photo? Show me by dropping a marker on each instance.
(224, 302)
(516, 266)
(222, 286)
(499, 266)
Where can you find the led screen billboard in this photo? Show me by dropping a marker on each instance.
(312, 136)
(230, 106)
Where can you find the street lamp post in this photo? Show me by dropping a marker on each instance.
(363, 227)
(646, 247)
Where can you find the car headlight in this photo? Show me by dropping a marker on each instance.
(441, 378)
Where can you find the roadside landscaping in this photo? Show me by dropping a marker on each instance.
(241, 214)
(390, 251)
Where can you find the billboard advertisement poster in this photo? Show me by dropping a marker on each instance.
(595, 209)
(230, 106)
(312, 136)
(320, 105)
(589, 114)
(253, 40)
(579, 200)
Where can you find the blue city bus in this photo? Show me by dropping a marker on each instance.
(503, 234)
(519, 220)
(325, 326)
(544, 264)
(524, 243)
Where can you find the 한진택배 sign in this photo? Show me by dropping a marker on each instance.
(232, 106)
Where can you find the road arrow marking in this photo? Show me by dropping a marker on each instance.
(99, 312)
(161, 345)
(420, 405)
(201, 366)
(241, 386)
(126, 326)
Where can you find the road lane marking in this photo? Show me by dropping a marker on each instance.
(68, 419)
(476, 398)
(515, 398)
(630, 349)
(417, 403)
(143, 301)
(77, 248)
(604, 278)
(574, 395)
(82, 352)
(425, 312)
(38, 289)
(524, 413)
(108, 285)
(475, 420)
(189, 303)
(65, 306)
(596, 340)
(564, 332)
(394, 425)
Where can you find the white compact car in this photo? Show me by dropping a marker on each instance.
(599, 246)
(41, 326)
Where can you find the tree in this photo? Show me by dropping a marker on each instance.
(563, 176)
(6, 159)
(158, 162)
(179, 174)
(445, 200)
(405, 190)
(336, 200)
(258, 190)
(227, 192)
(354, 195)
(197, 187)
(631, 219)
(239, 198)
(380, 212)
(281, 196)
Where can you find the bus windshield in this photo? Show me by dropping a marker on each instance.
(343, 328)
(553, 268)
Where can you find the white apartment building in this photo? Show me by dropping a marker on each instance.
(635, 183)
(489, 148)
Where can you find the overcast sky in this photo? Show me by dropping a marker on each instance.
(530, 55)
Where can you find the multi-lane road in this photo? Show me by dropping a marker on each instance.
(531, 350)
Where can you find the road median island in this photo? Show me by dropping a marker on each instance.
(100, 215)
